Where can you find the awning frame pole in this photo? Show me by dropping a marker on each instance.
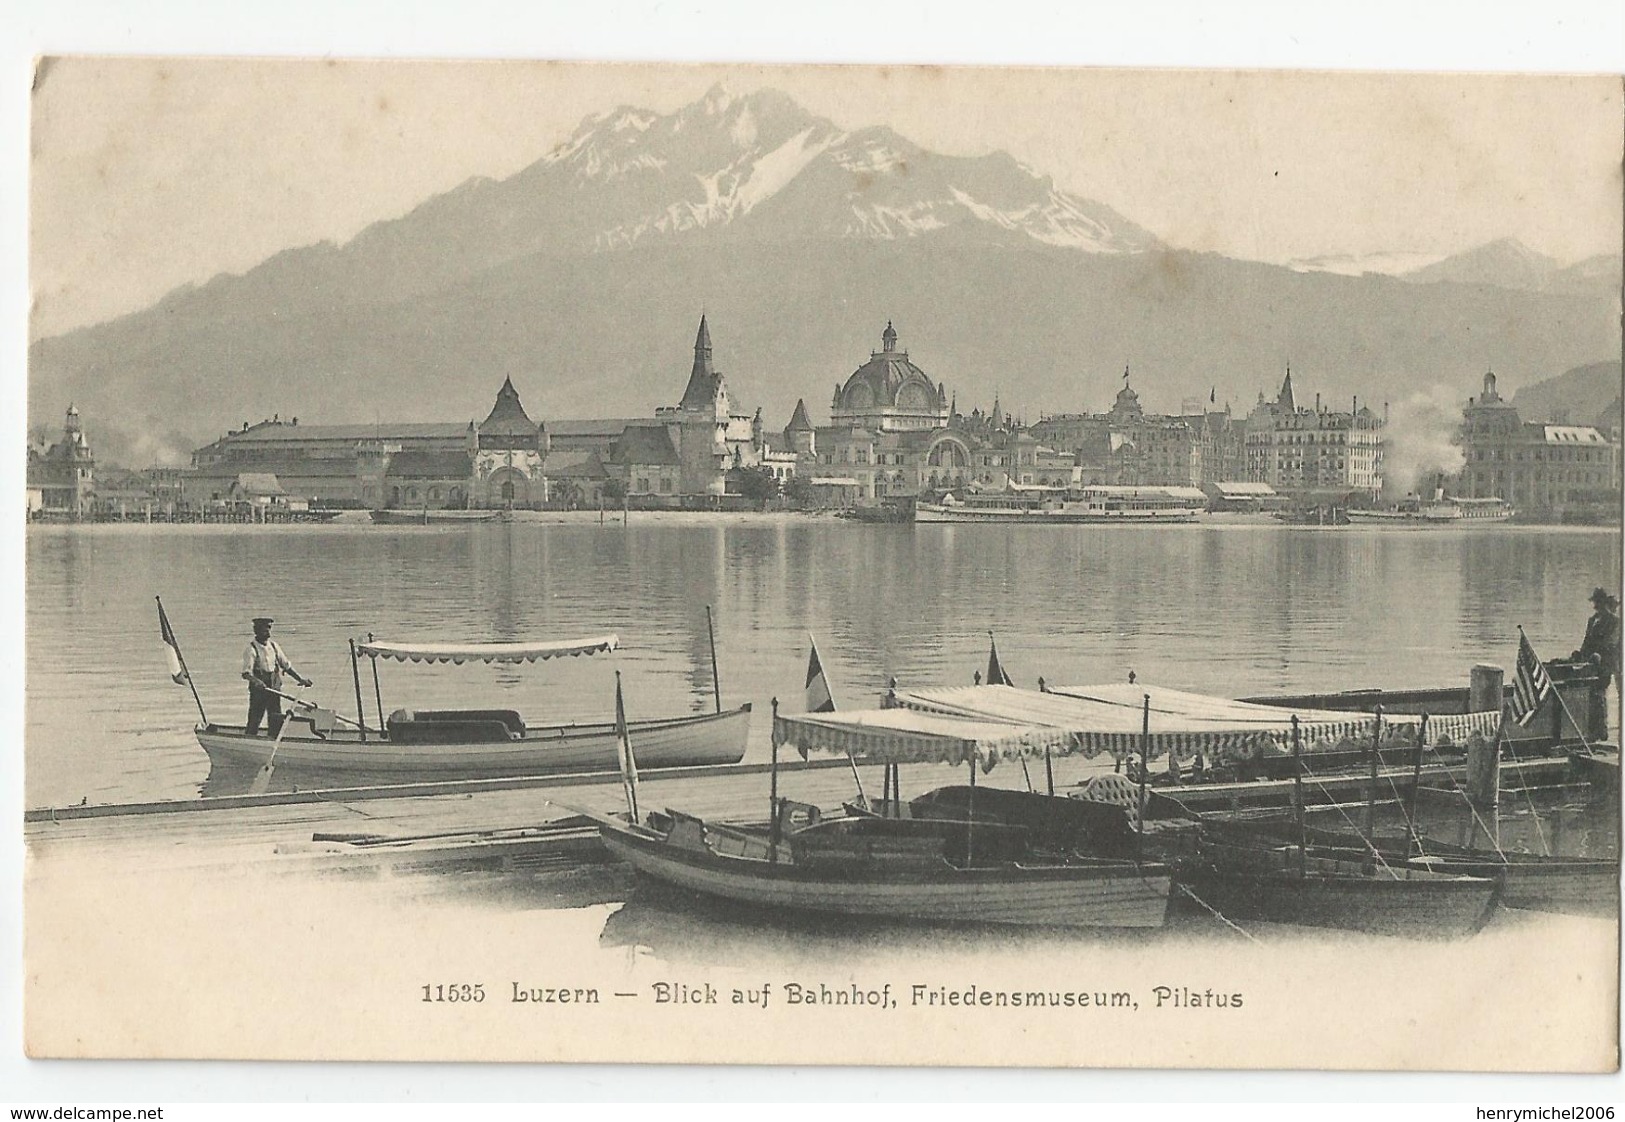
(377, 692)
(1145, 768)
(355, 673)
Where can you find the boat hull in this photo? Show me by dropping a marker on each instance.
(1343, 894)
(1570, 885)
(710, 738)
(1109, 894)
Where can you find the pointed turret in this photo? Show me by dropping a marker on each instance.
(701, 392)
(799, 421)
(1284, 398)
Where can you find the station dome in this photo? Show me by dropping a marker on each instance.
(889, 383)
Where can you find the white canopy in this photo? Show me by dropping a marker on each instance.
(903, 736)
(1110, 718)
(487, 652)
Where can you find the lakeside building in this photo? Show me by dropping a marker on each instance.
(1546, 468)
(1126, 446)
(62, 476)
(1301, 451)
(689, 450)
(894, 433)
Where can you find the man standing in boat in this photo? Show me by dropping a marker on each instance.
(1601, 646)
(263, 664)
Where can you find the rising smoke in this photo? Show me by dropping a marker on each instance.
(1419, 443)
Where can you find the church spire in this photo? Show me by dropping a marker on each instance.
(702, 380)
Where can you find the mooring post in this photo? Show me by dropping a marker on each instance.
(1486, 692)
(1486, 688)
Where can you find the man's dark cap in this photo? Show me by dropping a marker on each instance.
(266, 620)
(1601, 596)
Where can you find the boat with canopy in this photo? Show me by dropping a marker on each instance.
(934, 870)
(426, 744)
(1241, 878)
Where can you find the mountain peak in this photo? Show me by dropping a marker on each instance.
(718, 99)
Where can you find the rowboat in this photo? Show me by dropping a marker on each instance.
(426, 517)
(416, 744)
(889, 867)
(1571, 885)
(1342, 889)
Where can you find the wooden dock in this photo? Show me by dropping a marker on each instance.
(519, 823)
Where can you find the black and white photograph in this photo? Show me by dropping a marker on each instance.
(710, 563)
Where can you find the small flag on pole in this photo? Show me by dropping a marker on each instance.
(995, 669)
(1531, 685)
(623, 742)
(819, 699)
(1125, 373)
(172, 650)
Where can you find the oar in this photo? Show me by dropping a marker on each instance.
(303, 704)
(262, 779)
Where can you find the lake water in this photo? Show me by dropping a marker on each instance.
(1230, 608)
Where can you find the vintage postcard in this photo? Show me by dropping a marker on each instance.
(823, 565)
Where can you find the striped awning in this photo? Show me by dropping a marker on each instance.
(1109, 719)
(486, 652)
(903, 736)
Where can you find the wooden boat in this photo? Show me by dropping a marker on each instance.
(899, 868)
(1342, 889)
(893, 868)
(473, 743)
(425, 517)
(1249, 879)
(484, 744)
(1531, 881)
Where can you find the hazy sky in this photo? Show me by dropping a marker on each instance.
(149, 174)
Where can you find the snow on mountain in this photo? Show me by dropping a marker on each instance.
(1391, 264)
(717, 162)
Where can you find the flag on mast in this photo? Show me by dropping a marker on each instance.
(623, 745)
(995, 669)
(1531, 685)
(819, 699)
(172, 649)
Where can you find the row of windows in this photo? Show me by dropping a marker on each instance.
(1545, 455)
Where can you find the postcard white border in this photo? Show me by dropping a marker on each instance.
(1568, 36)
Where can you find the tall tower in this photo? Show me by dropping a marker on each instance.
(701, 430)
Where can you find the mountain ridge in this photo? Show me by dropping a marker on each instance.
(583, 273)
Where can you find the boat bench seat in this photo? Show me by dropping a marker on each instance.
(454, 726)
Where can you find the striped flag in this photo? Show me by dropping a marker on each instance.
(623, 745)
(172, 649)
(819, 699)
(995, 669)
(1530, 683)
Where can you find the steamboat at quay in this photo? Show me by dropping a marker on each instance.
(1019, 503)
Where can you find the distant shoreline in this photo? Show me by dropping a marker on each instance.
(355, 519)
